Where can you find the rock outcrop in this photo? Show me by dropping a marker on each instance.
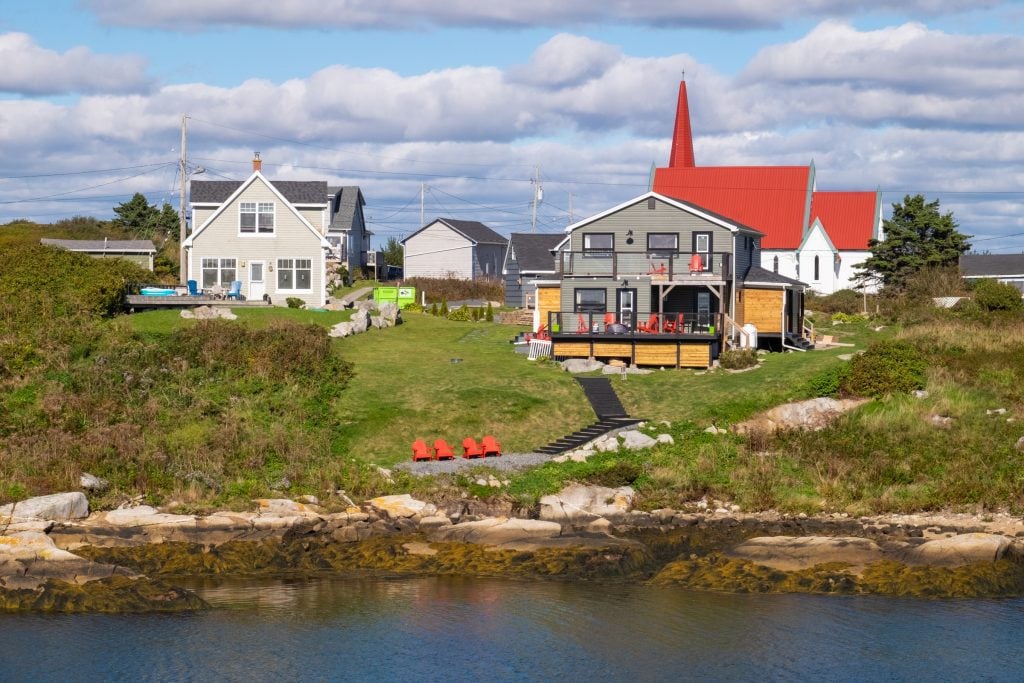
(814, 414)
(580, 505)
(55, 507)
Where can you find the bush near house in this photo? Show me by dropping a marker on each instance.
(992, 295)
(451, 289)
(887, 367)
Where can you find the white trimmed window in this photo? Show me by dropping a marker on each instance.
(219, 272)
(294, 274)
(256, 217)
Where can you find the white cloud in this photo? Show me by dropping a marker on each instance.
(29, 69)
(728, 14)
(602, 117)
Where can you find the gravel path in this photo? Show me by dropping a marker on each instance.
(508, 461)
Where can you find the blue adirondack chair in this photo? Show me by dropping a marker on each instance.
(193, 288)
(236, 290)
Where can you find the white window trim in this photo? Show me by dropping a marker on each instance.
(257, 233)
(277, 268)
(220, 269)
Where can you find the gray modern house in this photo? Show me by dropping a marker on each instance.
(450, 248)
(528, 258)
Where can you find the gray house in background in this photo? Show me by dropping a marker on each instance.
(528, 258)
(346, 232)
(1007, 268)
(139, 252)
(450, 248)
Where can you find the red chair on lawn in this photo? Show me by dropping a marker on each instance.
(490, 446)
(471, 449)
(420, 451)
(442, 451)
(651, 325)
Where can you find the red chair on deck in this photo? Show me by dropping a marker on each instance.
(673, 323)
(651, 325)
(609, 319)
(661, 269)
(471, 449)
(420, 451)
(696, 264)
(442, 451)
(490, 446)
(581, 325)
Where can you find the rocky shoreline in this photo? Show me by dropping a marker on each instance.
(56, 556)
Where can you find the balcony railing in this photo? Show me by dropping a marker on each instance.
(642, 324)
(673, 266)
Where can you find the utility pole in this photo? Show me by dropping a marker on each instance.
(538, 196)
(423, 194)
(182, 271)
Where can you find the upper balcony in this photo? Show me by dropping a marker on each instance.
(659, 266)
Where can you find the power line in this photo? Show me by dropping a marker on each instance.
(95, 170)
(80, 189)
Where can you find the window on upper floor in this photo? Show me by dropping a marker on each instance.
(256, 218)
(702, 244)
(775, 264)
(663, 241)
(817, 268)
(598, 242)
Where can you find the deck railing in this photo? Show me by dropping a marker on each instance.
(673, 266)
(645, 324)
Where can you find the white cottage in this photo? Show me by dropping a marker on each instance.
(446, 247)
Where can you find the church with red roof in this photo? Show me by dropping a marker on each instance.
(814, 236)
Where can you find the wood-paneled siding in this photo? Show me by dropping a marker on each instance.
(674, 354)
(762, 308)
(439, 251)
(662, 218)
(291, 240)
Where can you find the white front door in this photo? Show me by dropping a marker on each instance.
(257, 285)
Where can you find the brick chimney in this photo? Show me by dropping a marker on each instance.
(257, 163)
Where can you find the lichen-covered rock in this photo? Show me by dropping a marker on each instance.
(791, 553)
(498, 531)
(580, 505)
(635, 440)
(962, 549)
(402, 505)
(57, 507)
(813, 414)
(577, 365)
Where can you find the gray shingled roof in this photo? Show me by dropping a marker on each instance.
(991, 265)
(475, 231)
(762, 276)
(351, 197)
(141, 246)
(533, 251)
(295, 191)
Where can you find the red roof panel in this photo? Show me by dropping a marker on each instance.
(772, 199)
(849, 217)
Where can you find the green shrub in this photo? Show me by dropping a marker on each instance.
(295, 302)
(433, 309)
(412, 308)
(841, 317)
(444, 308)
(475, 314)
(453, 289)
(887, 367)
(620, 473)
(737, 359)
(460, 314)
(844, 301)
(992, 295)
(829, 381)
(489, 316)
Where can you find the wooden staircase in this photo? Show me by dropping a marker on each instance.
(611, 415)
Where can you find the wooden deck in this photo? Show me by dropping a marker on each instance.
(671, 350)
(138, 302)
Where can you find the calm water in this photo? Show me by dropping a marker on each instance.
(454, 630)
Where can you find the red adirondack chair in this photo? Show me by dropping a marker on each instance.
(420, 450)
(696, 263)
(490, 446)
(673, 323)
(471, 449)
(581, 325)
(651, 325)
(442, 451)
(609, 319)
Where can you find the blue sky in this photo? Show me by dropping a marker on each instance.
(917, 96)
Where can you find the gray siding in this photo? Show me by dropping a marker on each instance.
(487, 260)
(514, 297)
(663, 218)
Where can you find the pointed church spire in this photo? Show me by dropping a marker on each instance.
(682, 137)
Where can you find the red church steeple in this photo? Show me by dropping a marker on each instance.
(682, 137)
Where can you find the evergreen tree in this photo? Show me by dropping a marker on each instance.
(137, 217)
(393, 252)
(489, 316)
(168, 223)
(916, 237)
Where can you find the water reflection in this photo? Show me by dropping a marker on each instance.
(451, 629)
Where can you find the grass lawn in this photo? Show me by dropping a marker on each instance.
(164, 321)
(406, 386)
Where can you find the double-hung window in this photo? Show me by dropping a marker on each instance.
(218, 272)
(663, 242)
(294, 274)
(591, 300)
(256, 218)
(598, 243)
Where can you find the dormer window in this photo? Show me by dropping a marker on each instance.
(256, 218)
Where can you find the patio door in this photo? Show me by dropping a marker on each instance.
(626, 306)
(257, 280)
(703, 311)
